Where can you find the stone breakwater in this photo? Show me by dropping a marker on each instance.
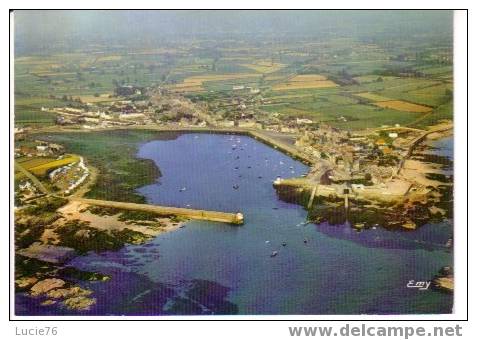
(214, 216)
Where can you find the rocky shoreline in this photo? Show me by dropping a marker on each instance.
(48, 240)
(408, 212)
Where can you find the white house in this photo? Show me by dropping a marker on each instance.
(301, 121)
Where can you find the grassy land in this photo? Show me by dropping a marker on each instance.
(113, 154)
(321, 80)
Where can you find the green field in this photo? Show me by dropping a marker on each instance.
(120, 172)
(376, 69)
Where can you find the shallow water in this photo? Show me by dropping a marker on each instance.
(215, 268)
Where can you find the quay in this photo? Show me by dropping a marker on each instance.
(263, 136)
(195, 214)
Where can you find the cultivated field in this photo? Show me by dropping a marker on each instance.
(342, 82)
(195, 83)
(40, 166)
(372, 96)
(403, 106)
(263, 66)
(308, 81)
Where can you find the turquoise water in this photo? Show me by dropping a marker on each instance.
(216, 268)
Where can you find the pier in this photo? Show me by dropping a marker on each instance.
(195, 214)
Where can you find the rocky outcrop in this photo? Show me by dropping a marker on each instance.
(79, 302)
(444, 281)
(64, 293)
(25, 282)
(57, 290)
(48, 253)
(45, 286)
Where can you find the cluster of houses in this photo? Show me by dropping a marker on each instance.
(369, 158)
(38, 149)
(76, 182)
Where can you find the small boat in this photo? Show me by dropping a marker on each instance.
(267, 241)
(284, 244)
(359, 225)
(274, 253)
(305, 241)
(182, 189)
(235, 187)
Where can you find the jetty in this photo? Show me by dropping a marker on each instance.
(195, 214)
(288, 149)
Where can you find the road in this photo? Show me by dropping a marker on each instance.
(33, 178)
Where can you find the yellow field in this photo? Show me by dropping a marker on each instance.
(403, 106)
(29, 163)
(374, 97)
(305, 81)
(264, 66)
(194, 83)
(42, 169)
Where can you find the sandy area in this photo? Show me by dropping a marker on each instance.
(446, 126)
(415, 171)
(76, 211)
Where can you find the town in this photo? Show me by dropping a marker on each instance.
(234, 171)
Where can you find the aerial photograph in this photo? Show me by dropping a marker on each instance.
(246, 162)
